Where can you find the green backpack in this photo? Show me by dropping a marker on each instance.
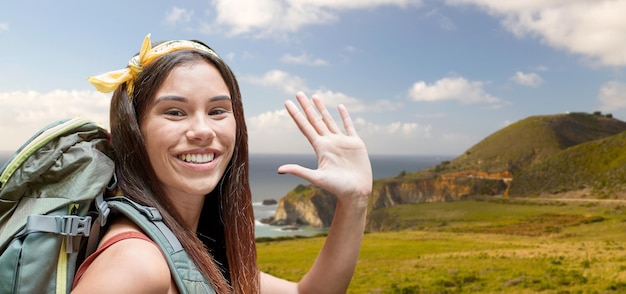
(52, 206)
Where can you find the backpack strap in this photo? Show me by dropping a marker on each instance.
(67, 225)
(100, 218)
(185, 273)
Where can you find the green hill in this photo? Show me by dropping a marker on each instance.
(596, 168)
(533, 140)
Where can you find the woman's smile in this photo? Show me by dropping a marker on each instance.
(197, 158)
(198, 161)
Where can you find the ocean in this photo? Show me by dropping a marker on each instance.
(266, 183)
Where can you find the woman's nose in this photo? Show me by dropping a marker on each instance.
(200, 129)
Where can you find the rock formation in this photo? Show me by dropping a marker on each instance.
(315, 207)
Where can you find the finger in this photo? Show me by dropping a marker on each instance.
(298, 171)
(313, 117)
(301, 121)
(347, 121)
(326, 117)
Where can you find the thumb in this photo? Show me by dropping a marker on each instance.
(297, 170)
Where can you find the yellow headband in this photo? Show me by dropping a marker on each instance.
(109, 81)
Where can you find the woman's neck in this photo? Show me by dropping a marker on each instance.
(189, 208)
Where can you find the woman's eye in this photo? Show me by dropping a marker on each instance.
(174, 112)
(217, 111)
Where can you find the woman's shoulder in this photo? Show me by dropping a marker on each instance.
(119, 225)
(128, 262)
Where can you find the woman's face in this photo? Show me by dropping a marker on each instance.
(190, 131)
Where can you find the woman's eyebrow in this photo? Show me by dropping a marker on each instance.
(170, 98)
(220, 97)
(184, 99)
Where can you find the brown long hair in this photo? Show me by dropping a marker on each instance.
(227, 215)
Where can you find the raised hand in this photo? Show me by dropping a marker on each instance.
(343, 165)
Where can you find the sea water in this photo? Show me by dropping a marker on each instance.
(267, 184)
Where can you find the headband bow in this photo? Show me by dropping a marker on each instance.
(109, 81)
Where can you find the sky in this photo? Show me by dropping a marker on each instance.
(419, 77)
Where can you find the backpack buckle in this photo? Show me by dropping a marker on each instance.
(72, 225)
(103, 210)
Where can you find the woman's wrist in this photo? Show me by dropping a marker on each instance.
(354, 203)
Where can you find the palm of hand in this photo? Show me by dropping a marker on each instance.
(344, 167)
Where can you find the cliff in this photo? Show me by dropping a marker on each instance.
(432, 187)
(309, 205)
(305, 205)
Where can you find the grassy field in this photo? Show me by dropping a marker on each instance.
(498, 246)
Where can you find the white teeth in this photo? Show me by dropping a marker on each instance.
(197, 158)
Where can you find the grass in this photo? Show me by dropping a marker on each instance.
(480, 247)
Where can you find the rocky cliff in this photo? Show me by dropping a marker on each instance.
(437, 187)
(305, 205)
(308, 205)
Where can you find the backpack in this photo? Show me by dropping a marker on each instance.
(52, 205)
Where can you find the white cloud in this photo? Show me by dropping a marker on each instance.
(443, 21)
(270, 131)
(349, 48)
(205, 28)
(178, 16)
(304, 59)
(612, 96)
(4, 27)
(271, 119)
(24, 113)
(267, 17)
(393, 128)
(452, 88)
(291, 84)
(247, 16)
(527, 79)
(354, 105)
(333, 99)
(279, 79)
(592, 28)
(395, 137)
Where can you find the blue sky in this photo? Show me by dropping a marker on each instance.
(419, 77)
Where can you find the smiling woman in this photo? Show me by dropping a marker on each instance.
(180, 141)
